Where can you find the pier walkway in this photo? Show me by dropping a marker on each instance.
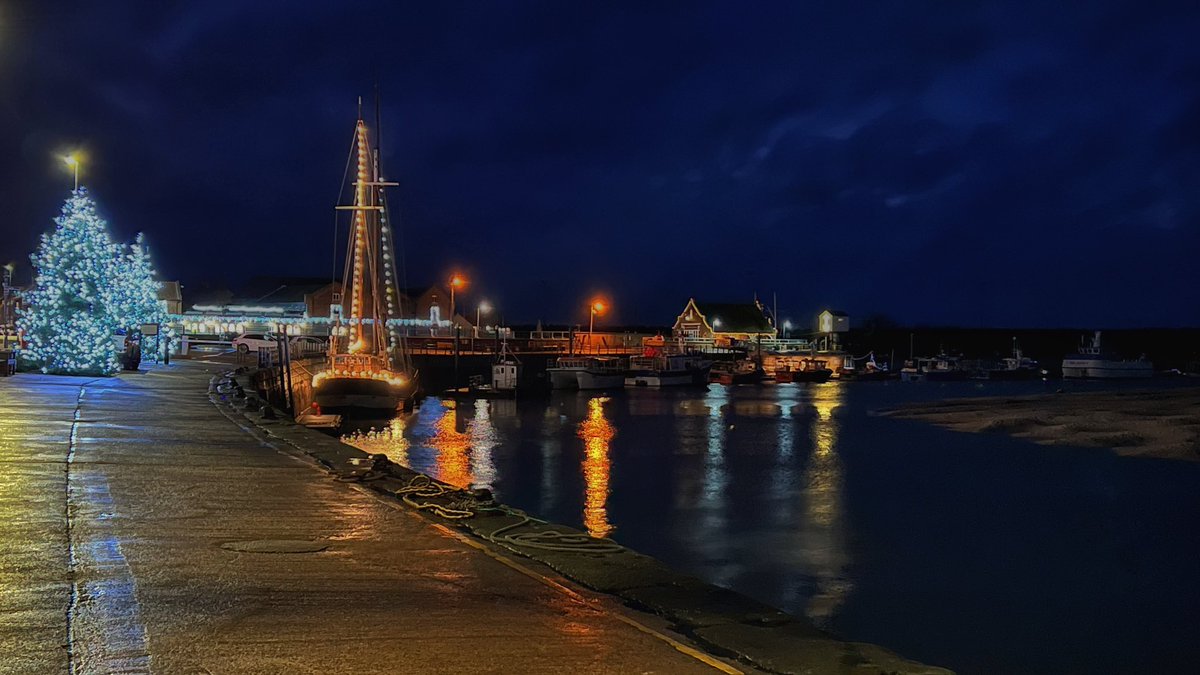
(142, 530)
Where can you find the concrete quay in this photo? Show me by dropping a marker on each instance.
(146, 529)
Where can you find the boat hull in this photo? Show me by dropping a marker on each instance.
(654, 380)
(821, 375)
(1106, 370)
(352, 393)
(947, 375)
(586, 380)
(563, 378)
(1013, 374)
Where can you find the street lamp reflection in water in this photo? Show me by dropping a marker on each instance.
(452, 461)
(826, 553)
(483, 440)
(597, 432)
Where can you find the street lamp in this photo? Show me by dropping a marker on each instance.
(72, 161)
(716, 324)
(597, 307)
(482, 307)
(457, 281)
(787, 325)
(6, 302)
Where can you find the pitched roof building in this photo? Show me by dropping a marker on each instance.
(736, 321)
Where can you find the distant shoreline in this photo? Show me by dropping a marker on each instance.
(1145, 423)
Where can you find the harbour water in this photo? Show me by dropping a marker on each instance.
(981, 553)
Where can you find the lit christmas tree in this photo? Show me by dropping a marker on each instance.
(69, 321)
(134, 292)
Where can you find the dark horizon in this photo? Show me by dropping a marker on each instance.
(995, 165)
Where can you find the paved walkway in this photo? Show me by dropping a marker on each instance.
(124, 503)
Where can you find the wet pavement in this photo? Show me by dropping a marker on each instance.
(144, 531)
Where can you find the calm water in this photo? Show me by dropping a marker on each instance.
(982, 553)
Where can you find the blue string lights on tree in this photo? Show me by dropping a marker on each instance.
(134, 291)
(86, 288)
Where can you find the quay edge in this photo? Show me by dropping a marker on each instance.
(722, 621)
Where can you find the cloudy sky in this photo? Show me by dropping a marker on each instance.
(997, 164)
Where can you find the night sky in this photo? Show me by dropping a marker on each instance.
(1000, 164)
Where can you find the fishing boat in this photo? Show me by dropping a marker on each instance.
(368, 369)
(667, 370)
(742, 371)
(940, 368)
(1015, 367)
(562, 374)
(601, 372)
(805, 370)
(1091, 362)
(506, 376)
(873, 371)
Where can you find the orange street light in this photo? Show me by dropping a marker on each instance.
(597, 307)
(457, 281)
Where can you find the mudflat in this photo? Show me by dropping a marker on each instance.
(1158, 423)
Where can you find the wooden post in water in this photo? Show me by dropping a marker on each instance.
(287, 365)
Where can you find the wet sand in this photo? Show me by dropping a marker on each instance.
(1163, 423)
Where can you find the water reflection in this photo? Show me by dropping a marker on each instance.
(824, 549)
(713, 519)
(387, 440)
(483, 440)
(551, 447)
(597, 432)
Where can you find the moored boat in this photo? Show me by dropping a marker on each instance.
(667, 370)
(368, 368)
(1015, 367)
(1091, 362)
(601, 373)
(742, 371)
(506, 377)
(805, 370)
(940, 368)
(562, 374)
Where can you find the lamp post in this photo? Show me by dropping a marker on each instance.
(482, 307)
(72, 161)
(457, 281)
(6, 302)
(787, 326)
(597, 307)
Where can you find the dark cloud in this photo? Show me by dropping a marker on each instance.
(1000, 163)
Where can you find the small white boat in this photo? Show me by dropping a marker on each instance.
(674, 370)
(601, 373)
(1091, 362)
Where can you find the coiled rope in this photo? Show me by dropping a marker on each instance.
(421, 486)
(549, 540)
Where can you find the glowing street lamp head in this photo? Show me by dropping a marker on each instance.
(484, 306)
(598, 307)
(458, 281)
(787, 325)
(716, 323)
(72, 160)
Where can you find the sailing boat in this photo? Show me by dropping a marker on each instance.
(369, 367)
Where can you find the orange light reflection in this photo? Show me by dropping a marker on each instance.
(597, 432)
(453, 448)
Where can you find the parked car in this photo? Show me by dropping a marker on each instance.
(250, 342)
